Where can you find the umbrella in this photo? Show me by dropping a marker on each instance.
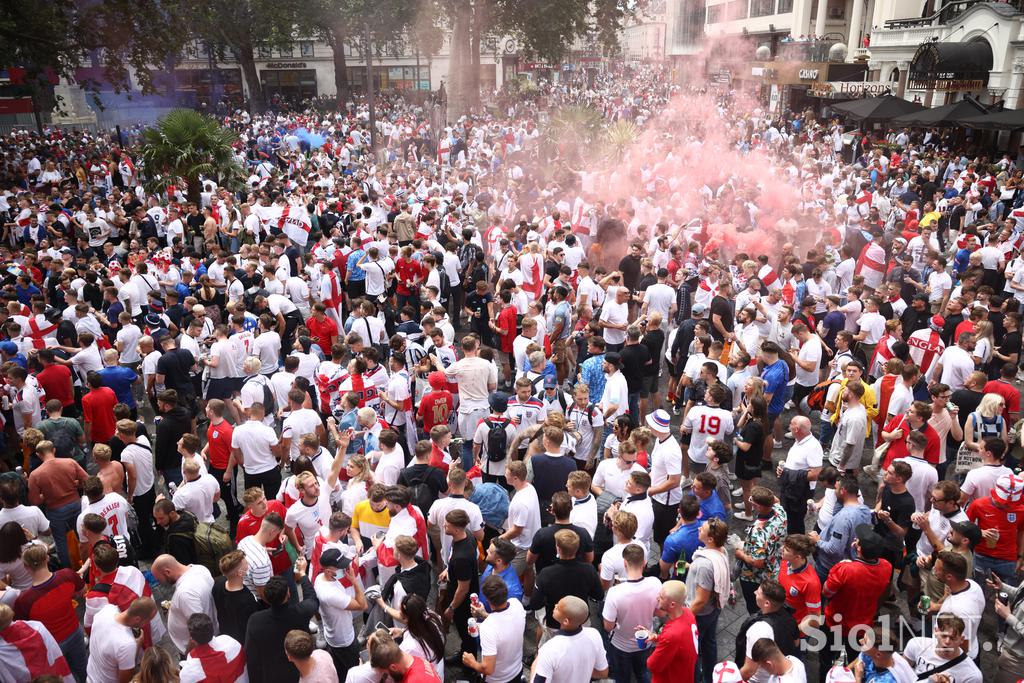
(943, 117)
(1011, 119)
(883, 108)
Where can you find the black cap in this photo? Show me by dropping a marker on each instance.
(498, 401)
(332, 557)
(871, 542)
(614, 357)
(969, 530)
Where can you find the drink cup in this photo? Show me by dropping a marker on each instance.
(641, 635)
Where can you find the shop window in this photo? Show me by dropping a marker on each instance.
(836, 10)
(714, 14)
(787, 6)
(264, 52)
(285, 51)
(305, 48)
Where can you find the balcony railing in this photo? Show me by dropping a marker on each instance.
(806, 50)
(948, 13)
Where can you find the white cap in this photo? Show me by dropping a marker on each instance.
(727, 672)
(840, 674)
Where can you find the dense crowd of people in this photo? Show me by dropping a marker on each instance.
(422, 415)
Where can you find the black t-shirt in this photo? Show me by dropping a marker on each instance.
(721, 307)
(752, 433)
(967, 401)
(629, 266)
(655, 342)
(195, 223)
(543, 545)
(233, 608)
(1010, 345)
(435, 479)
(462, 566)
(635, 358)
(900, 507)
(475, 302)
(176, 367)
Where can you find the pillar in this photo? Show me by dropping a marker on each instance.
(819, 21)
(856, 19)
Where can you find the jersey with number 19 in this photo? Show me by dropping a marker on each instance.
(706, 422)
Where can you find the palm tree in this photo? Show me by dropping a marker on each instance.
(186, 145)
(620, 136)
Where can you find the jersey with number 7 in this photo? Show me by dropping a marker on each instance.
(703, 423)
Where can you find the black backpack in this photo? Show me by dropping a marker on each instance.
(422, 495)
(497, 440)
(444, 285)
(269, 402)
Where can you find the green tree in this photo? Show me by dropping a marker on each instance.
(122, 37)
(344, 22)
(185, 145)
(244, 25)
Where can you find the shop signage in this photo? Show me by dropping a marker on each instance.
(809, 74)
(286, 65)
(849, 89)
(723, 77)
(946, 82)
(762, 72)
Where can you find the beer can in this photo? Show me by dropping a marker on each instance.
(924, 604)
(1004, 597)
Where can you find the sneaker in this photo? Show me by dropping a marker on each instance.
(686, 483)
(777, 444)
(788, 435)
(743, 516)
(738, 491)
(676, 410)
(313, 626)
(789, 405)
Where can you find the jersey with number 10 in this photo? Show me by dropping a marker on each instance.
(703, 423)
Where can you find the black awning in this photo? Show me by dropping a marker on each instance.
(939, 65)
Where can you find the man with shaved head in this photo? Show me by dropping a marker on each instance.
(193, 592)
(802, 464)
(575, 652)
(675, 648)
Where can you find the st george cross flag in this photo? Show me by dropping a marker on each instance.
(219, 661)
(27, 650)
(122, 587)
(292, 219)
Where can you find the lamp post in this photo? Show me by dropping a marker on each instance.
(369, 87)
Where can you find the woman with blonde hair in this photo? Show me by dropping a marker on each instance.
(157, 667)
(986, 423)
(984, 343)
(360, 478)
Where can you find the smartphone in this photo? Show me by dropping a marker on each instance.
(381, 624)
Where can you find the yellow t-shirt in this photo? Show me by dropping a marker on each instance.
(367, 522)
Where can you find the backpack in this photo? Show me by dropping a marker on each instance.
(210, 543)
(269, 402)
(493, 502)
(444, 285)
(422, 495)
(497, 440)
(816, 399)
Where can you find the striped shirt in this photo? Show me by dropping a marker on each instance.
(260, 569)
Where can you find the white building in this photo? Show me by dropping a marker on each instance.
(969, 47)
(643, 38)
(684, 28)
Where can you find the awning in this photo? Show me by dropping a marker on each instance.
(1011, 119)
(884, 108)
(943, 117)
(951, 66)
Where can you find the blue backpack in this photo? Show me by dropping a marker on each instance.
(493, 503)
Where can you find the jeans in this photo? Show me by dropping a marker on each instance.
(625, 667)
(1004, 569)
(73, 648)
(634, 408)
(707, 653)
(62, 519)
(748, 588)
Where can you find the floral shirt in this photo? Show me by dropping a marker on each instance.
(592, 373)
(764, 542)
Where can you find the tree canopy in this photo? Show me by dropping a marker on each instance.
(122, 37)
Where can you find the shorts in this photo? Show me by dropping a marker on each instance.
(519, 562)
(649, 385)
(355, 288)
(222, 388)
